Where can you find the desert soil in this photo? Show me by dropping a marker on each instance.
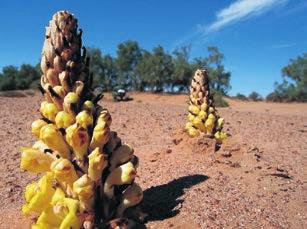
(256, 180)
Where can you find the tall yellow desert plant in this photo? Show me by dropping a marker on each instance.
(203, 117)
(88, 173)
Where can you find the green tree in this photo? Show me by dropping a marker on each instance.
(103, 68)
(240, 96)
(255, 96)
(294, 85)
(199, 63)
(155, 69)
(128, 56)
(95, 64)
(13, 78)
(8, 78)
(135, 68)
(26, 75)
(109, 72)
(183, 72)
(34, 84)
(219, 77)
(144, 70)
(38, 68)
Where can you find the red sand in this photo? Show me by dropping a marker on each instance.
(257, 179)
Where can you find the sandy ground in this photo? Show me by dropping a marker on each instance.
(256, 180)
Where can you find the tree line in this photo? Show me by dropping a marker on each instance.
(137, 69)
(24, 77)
(156, 70)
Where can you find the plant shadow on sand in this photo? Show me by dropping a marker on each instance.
(161, 202)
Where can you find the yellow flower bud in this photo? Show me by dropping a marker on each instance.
(204, 106)
(193, 132)
(71, 220)
(64, 119)
(101, 135)
(123, 174)
(97, 163)
(211, 116)
(211, 110)
(34, 160)
(84, 189)
(220, 123)
(64, 171)
(38, 196)
(88, 106)
(85, 119)
(220, 136)
(52, 137)
(198, 123)
(71, 97)
(36, 126)
(104, 116)
(191, 117)
(62, 213)
(194, 109)
(209, 124)
(188, 125)
(40, 145)
(51, 217)
(57, 196)
(70, 104)
(202, 115)
(77, 137)
(48, 110)
(31, 189)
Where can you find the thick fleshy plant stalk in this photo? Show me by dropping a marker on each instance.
(89, 172)
(203, 117)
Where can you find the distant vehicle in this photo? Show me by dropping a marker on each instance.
(119, 94)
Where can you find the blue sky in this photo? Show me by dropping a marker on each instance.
(257, 37)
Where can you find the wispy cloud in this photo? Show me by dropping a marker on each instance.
(281, 46)
(239, 10)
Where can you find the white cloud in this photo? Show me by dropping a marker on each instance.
(235, 12)
(240, 9)
(284, 45)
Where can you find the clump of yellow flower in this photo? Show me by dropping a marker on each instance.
(60, 212)
(83, 161)
(203, 118)
(55, 209)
